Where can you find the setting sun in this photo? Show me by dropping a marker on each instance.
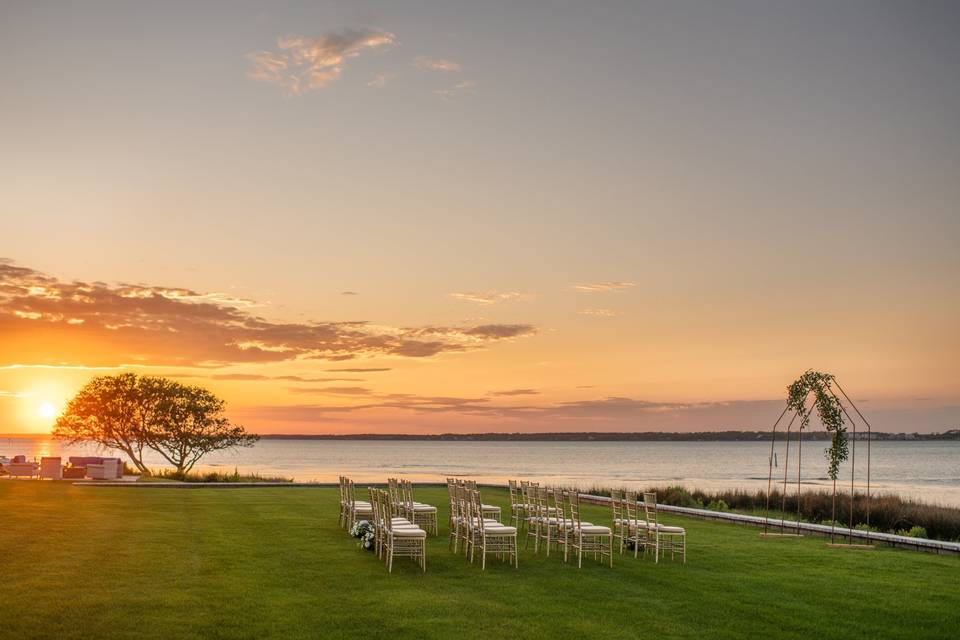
(48, 411)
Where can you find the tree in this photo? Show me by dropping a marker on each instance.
(192, 422)
(134, 413)
(113, 411)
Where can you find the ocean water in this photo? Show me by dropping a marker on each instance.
(926, 470)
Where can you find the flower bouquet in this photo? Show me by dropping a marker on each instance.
(363, 530)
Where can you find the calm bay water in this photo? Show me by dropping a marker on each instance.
(929, 471)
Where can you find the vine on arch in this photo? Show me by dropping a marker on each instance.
(828, 408)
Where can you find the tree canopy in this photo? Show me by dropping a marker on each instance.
(134, 413)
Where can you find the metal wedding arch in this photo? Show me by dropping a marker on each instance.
(786, 467)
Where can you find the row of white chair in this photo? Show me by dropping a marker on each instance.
(477, 525)
(546, 513)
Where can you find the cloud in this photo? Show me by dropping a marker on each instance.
(258, 377)
(150, 325)
(600, 313)
(464, 87)
(515, 392)
(603, 286)
(611, 413)
(349, 293)
(380, 80)
(480, 332)
(362, 370)
(435, 64)
(15, 394)
(301, 65)
(490, 297)
(339, 391)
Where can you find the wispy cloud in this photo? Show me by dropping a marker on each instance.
(599, 313)
(603, 286)
(336, 391)
(436, 64)
(380, 80)
(258, 377)
(490, 297)
(462, 88)
(15, 394)
(349, 293)
(300, 65)
(147, 325)
(515, 392)
(362, 370)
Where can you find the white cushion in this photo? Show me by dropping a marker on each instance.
(662, 528)
(424, 508)
(409, 533)
(595, 530)
(499, 530)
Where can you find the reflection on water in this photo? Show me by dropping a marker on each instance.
(925, 470)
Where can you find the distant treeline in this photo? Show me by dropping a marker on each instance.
(621, 436)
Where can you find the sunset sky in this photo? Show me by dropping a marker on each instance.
(483, 216)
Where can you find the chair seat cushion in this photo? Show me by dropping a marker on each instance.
(424, 508)
(490, 507)
(633, 524)
(499, 530)
(662, 528)
(594, 530)
(409, 533)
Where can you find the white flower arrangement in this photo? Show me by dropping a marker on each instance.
(363, 530)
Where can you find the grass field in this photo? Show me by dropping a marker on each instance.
(84, 562)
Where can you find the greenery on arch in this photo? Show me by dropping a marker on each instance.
(828, 408)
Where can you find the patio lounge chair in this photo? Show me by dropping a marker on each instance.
(51, 468)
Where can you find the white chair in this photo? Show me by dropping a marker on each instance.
(399, 536)
(494, 538)
(419, 513)
(586, 537)
(51, 468)
(661, 537)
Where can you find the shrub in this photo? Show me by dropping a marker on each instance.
(718, 505)
(913, 532)
(216, 476)
(886, 512)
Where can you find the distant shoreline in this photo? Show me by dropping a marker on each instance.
(628, 436)
(593, 436)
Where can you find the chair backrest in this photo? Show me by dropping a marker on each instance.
(559, 505)
(476, 510)
(512, 484)
(650, 508)
(572, 498)
(463, 502)
(631, 507)
(408, 498)
(616, 504)
(540, 500)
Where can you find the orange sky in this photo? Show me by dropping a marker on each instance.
(366, 218)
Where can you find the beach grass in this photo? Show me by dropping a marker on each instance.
(86, 562)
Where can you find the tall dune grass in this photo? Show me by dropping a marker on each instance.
(887, 513)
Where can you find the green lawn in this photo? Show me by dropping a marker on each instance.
(83, 562)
